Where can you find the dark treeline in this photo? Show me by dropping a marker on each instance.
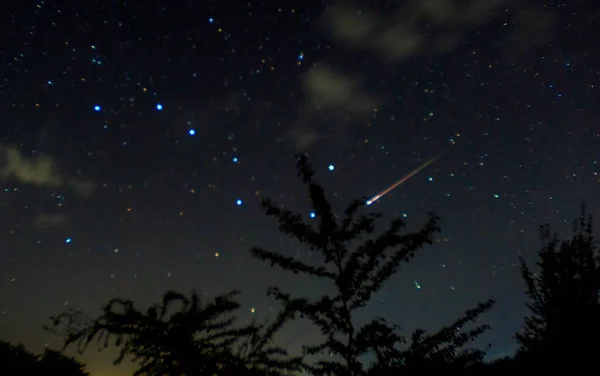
(17, 361)
(185, 336)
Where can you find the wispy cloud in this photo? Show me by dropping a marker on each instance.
(399, 35)
(38, 170)
(329, 91)
(51, 220)
(411, 29)
(327, 88)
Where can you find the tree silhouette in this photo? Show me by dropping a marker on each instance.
(357, 274)
(194, 340)
(444, 350)
(17, 361)
(54, 362)
(563, 297)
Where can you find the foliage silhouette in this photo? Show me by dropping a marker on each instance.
(563, 298)
(194, 340)
(357, 274)
(16, 360)
(444, 350)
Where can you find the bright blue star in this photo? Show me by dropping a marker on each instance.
(68, 240)
(159, 107)
(211, 20)
(96, 108)
(312, 214)
(192, 132)
(331, 167)
(239, 202)
(235, 159)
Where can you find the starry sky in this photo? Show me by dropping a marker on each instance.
(135, 139)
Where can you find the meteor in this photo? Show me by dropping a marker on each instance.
(399, 182)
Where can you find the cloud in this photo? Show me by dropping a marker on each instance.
(328, 92)
(38, 170)
(411, 29)
(302, 137)
(327, 88)
(83, 188)
(51, 220)
(399, 34)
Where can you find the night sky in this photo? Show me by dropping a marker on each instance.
(135, 139)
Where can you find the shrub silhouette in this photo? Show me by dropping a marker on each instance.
(563, 299)
(17, 361)
(194, 340)
(444, 350)
(357, 274)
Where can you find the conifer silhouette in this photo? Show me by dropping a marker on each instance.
(563, 298)
(357, 273)
(194, 340)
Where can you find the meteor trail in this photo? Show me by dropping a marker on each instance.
(405, 178)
